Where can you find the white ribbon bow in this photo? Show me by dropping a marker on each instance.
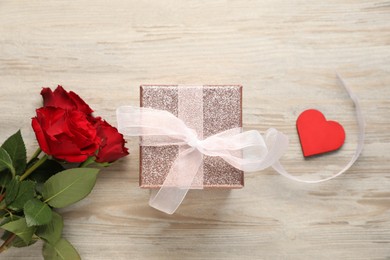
(247, 151)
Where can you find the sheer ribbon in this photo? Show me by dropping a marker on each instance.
(361, 125)
(248, 151)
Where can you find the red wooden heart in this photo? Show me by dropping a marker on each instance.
(317, 135)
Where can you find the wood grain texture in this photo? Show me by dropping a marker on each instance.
(284, 53)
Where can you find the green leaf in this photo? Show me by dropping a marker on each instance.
(19, 227)
(20, 243)
(16, 149)
(6, 161)
(9, 219)
(5, 177)
(37, 213)
(26, 192)
(52, 231)
(12, 189)
(46, 170)
(62, 250)
(69, 186)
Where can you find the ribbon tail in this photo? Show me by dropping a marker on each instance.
(178, 181)
(361, 125)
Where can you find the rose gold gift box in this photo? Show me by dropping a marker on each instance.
(222, 110)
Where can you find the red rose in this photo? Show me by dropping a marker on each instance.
(112, 145)
(65, 134)
(65, 100)
(66, 129)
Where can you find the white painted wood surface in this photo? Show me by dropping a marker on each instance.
(284, 53)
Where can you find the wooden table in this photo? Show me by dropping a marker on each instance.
(284, 53)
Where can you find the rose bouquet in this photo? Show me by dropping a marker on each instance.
(73, 145)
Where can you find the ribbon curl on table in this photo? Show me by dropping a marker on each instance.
(247, 151)
(359, 147)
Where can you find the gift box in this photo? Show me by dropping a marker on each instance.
(208, 110)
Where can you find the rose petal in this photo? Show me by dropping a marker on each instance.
(40, 136)
(113, 145)
(60, 98)
(81, 105)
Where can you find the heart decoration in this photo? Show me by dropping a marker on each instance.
(317, 135)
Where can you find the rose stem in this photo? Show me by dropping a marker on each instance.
(87, 162)
(34, 167)
(7, 242)
(35, 155)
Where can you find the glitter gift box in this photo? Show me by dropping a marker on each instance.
(221, 110)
